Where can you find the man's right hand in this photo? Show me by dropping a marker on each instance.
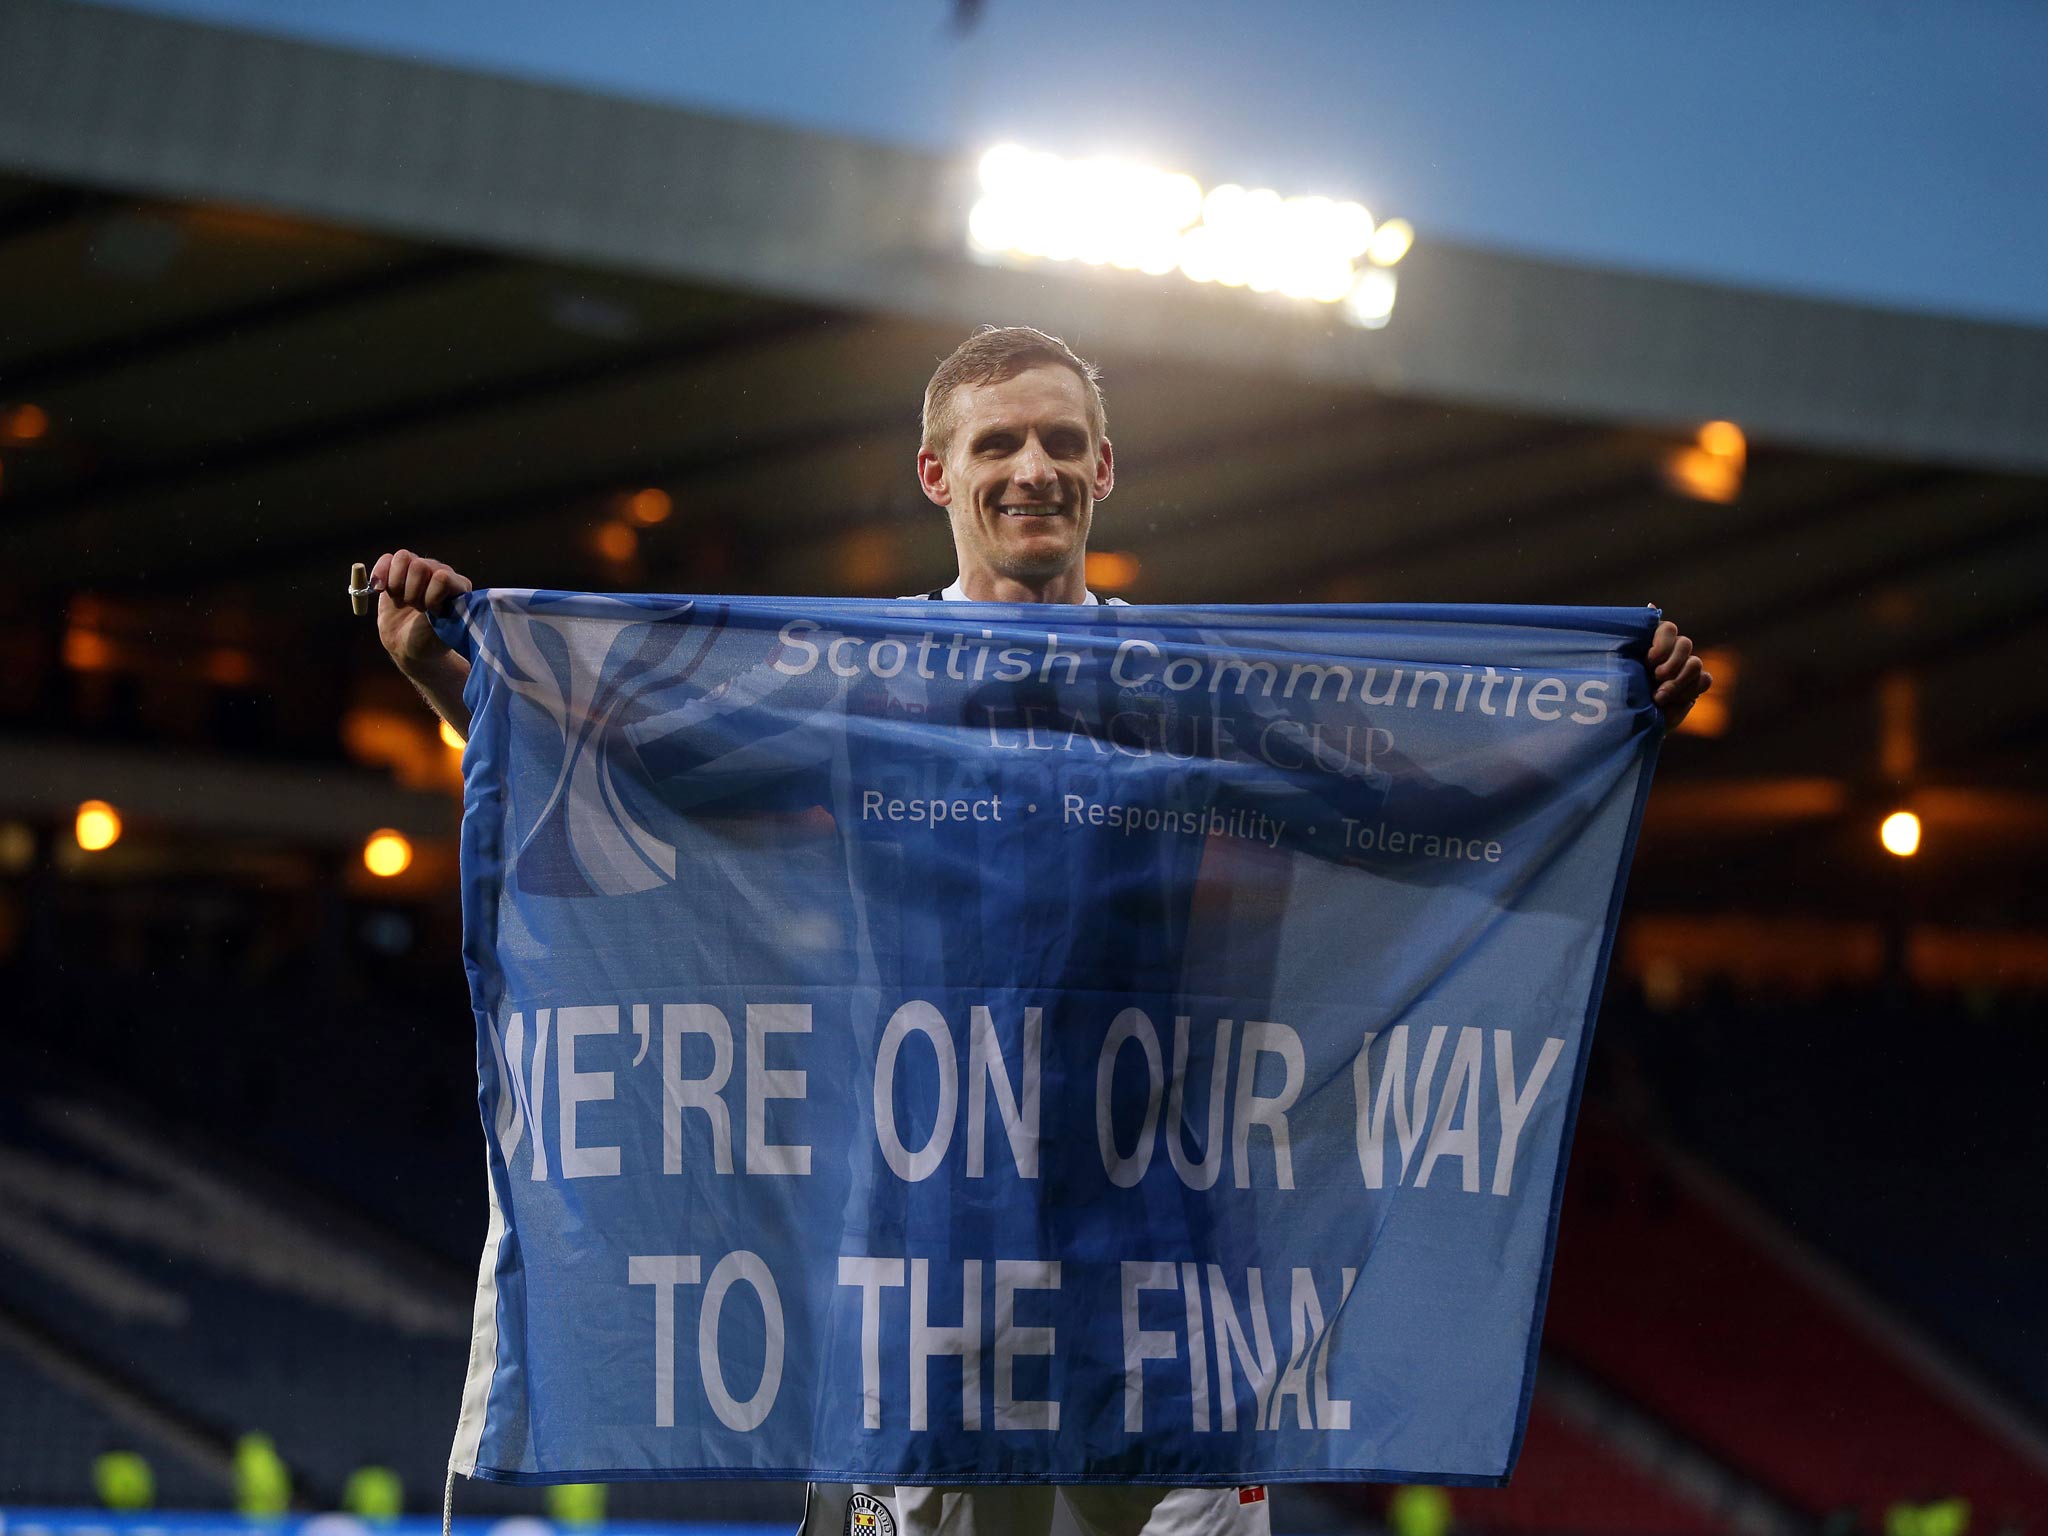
(413, 591)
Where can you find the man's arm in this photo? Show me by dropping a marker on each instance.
(413, 590)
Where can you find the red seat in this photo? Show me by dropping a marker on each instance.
(1679, 1307)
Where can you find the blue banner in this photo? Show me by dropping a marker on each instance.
(942, 1042)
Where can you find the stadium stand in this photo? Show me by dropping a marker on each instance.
(52, 1433)
(1846, 1095)
(1568, 1480)
(1671, 1300)
(211, 1275)
(209, 1298)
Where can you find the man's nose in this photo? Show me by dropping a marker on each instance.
(1033, 467)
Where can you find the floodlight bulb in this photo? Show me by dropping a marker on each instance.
(1003, 167)
(1180, 199)
(98, 826)
(1353, 225)
(1390, 242)
(1332, 282)
(1372, 298)
(1223, 204)
(989, 225)
(1900, 834)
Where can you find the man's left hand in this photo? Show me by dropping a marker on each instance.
(1676, 676)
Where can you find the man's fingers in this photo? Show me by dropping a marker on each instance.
(1661, 642)
(1688, 680)
(417, 575)
(1681, 652)
(414, 581)
(444, 585)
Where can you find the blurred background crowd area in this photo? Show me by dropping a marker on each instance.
(281, 291)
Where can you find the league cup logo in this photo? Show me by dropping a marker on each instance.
(1145, 716)
(586, 662)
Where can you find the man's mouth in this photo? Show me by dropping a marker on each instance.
(1032, 509)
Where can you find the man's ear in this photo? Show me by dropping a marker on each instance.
(931, 478)
(1105, 470)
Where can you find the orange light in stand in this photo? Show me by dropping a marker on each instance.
(1724, 440)
(230, 668)
(1111, 569)
(1709, 716)
(1711, 470)
(24, 424)
(387, 853)
(1696, 473)
(450, 737)
(649, 507)
(98, 826)
(616, 542)
(87, 650)
(17, 847)
(1900, 834)
(868, 559)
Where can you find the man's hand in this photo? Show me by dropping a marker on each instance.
(414, 590)
(1676, 675)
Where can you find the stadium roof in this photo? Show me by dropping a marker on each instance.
(285, 306)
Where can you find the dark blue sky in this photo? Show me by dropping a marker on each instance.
(1883, 151)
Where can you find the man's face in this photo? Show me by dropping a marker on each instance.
(1021, 473)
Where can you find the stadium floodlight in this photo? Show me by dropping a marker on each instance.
(1100, 211)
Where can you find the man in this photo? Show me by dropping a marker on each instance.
(1016, 450)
